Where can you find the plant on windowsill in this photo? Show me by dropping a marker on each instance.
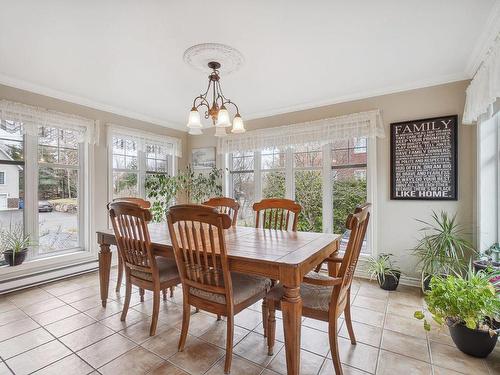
(442, 249)
(470, 306)
(383, 268)
(14, 244)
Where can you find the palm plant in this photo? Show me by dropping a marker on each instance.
(442, 249)
(382, 266)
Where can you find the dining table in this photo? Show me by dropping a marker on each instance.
(276, 254)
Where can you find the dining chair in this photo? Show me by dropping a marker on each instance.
(142, 267)
(276, 213)
(326, 298)
(225, 205)
(146, 205)
(198, 239)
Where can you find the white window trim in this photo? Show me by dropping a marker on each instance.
(326, 168)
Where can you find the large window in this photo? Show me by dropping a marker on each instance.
(328, 181)
(134, 157)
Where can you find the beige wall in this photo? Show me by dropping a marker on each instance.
(100, 151)
(397, 229)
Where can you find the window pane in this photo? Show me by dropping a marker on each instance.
(273, 184)
(244, 193)
(11, 149)
(272, 159)
(308, 157)
(242, 161)
(308, 193)
(125, 185)
(58, 209)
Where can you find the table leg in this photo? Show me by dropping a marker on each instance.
(104, 270)
(333, 269)
(291, 306)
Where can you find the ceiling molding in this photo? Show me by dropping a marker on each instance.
(359, 96)
(491, 30)
(56, 94)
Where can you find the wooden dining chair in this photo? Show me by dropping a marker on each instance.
(142, 267)
(326, 298)
(197, 234)
(146, 205)
(276, 213)
(227, 206)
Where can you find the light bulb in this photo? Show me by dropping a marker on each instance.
(238, 125)
(223, 118)
(195, 131)
(220, 131)
(194, 121)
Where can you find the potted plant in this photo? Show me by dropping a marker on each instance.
(442, 249)
(469, 306)
(14, 244)
(489, 259)
(384, 269)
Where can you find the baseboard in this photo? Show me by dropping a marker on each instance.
(404, 280)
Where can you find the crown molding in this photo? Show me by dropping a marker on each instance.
(359, 96)
(75, 99)
(491, 30)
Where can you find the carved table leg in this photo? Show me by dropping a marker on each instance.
(104, 269)
(291, 306)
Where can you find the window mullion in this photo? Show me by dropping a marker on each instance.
(289, 177)
(257, 175)
(141, 165)
(327, 201)
(31, 190)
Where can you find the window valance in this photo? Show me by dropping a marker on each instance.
(484, 89)
(29, 118)
(364, 124)
(171, 144)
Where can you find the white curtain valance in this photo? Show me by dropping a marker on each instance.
(171, 144)
(320, 132)
(484, 89)
(30, 118)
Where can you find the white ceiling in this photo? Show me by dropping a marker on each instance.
(125, 56)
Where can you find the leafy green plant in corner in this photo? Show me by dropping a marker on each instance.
(161, 190)
(442, 249)
(470, 300)
(381, 266)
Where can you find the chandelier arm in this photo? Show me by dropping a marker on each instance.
(203, 101)
(228, 101)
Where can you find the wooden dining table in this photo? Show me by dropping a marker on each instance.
(279, 255)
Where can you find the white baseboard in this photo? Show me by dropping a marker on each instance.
(404, 280)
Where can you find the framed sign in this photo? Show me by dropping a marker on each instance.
(424, 159)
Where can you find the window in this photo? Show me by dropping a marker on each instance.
(2, 178)
(133, 157)
(328, 181)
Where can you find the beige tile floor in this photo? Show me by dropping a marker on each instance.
(60, 328)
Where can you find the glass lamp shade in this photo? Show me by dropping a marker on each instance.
(195, 131)
(223, 118)
(194, 121)
(220, 131)
(238, 125)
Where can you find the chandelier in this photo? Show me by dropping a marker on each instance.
(215, 108)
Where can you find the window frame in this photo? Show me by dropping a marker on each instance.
(326, 169)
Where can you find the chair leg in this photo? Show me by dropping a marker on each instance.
(271, 328)
(347, 316)
(156, 312)
(128, 292)
(265, 314)
(164, 292)
(219, 318)
(334, 347)
(229, 343)
(172, 291)
(120, 274)
(141, 293)
(186, 315)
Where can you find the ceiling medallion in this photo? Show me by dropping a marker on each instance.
(199, 55)
(213, 100)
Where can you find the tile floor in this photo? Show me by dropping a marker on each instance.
(60, 328)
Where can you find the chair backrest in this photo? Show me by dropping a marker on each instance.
(138, 201)
(197, 234)
(228, 206)
(132, 235)
(276, 213)
(357, 223)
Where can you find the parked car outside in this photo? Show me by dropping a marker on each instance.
(45, 206)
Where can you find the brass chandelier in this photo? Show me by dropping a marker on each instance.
(215, 108)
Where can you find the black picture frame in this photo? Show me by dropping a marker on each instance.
(452, 152)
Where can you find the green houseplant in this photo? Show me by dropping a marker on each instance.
(384, 269)
(442, 249)
(470, 306)
(14, 244)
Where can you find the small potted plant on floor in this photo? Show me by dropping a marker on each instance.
(14, 244)
(383, 268)
(442, 249)
(469, 306)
